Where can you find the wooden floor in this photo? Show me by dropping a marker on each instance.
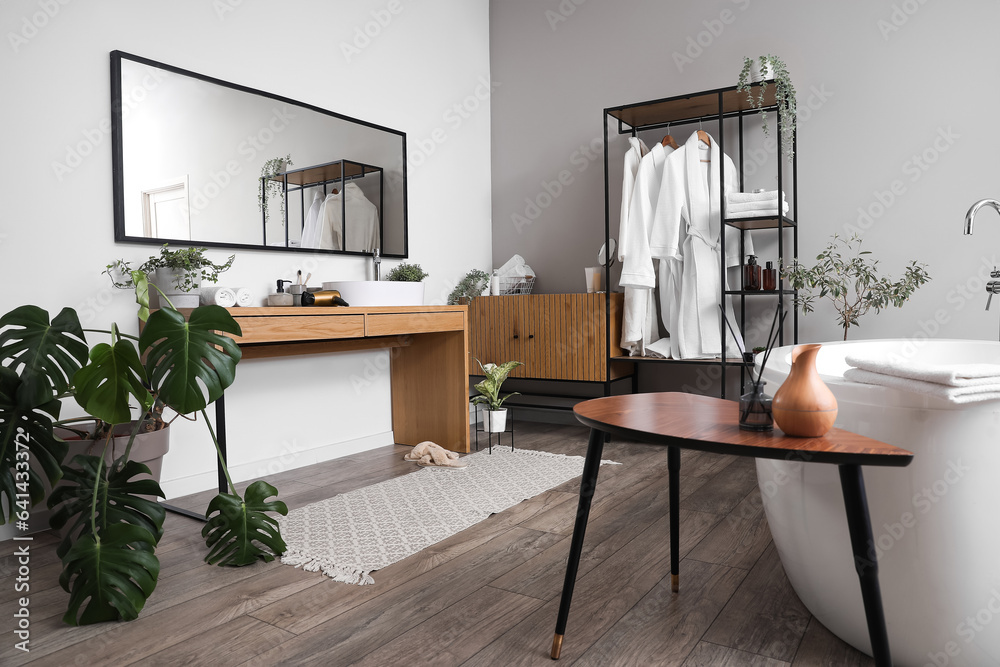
(485, 597)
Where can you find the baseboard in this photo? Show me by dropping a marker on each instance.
(289, 459)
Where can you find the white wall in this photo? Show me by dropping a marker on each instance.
(880, 85)
(56, 230)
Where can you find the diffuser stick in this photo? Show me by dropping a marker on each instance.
(739, 341)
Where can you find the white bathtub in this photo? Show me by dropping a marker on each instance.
(936, 522)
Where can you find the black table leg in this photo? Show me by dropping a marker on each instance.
(220, 435)
(587, 486)
(852, 483)
(674, 468)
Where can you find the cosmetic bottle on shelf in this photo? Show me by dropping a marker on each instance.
(751, 273)
(769, 277)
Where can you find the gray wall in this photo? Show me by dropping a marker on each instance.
(885, 97)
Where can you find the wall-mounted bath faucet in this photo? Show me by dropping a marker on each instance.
(971, 215)
(993, 286)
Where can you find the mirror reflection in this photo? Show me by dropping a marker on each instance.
(198, 160)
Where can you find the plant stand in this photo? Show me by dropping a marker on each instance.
(481, 429)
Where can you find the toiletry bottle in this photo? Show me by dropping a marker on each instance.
(769, 277)
(495, 283)
(751, 273)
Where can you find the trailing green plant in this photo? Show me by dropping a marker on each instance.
(472, 285)
(784, 94)
(269, 186)
(410, 273)
(489, 388)
(108, 553)
(191, 265)
(851, 282)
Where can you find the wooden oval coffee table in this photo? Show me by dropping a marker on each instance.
(707, 424)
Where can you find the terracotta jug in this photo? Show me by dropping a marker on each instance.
(803, 405)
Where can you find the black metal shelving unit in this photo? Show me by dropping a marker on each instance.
(338, 171)
(714, 106)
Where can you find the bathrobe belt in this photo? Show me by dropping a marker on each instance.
(694, 232)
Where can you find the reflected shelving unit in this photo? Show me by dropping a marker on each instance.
(715, 108)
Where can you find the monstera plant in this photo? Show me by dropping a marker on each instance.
(108, 553)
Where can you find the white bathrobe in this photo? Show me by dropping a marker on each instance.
(310, 229)
(685, 234)
(362, 222)
(640, 320)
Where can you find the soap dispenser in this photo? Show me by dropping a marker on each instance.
(751, 274)
(280, 296)
(769, 277)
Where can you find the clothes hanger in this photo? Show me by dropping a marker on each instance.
(703, 137)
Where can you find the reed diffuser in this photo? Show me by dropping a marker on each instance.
(755, 405)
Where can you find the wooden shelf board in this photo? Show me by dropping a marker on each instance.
(325, 172)
(688, 107)
(747, 224)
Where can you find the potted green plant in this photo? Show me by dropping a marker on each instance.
(113, 526)
(176, 273)
(472, 285)
(408, 284)
(852, 283)
(495, 419)
(759, 71)
(271, 186)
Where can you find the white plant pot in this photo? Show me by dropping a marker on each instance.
(757, 76)
(495, 421)
(166, 279)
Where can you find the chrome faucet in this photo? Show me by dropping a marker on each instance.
(971, 215)
(376, 262)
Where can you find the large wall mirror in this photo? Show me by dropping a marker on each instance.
(189, 152)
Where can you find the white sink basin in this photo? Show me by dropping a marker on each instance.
(378, 293)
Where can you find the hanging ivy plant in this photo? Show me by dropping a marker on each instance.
(270, 187)
(784, 95)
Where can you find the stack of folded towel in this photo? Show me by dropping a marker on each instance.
(754, 204)
(956, 383)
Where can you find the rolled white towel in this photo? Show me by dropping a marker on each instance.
(743, 197)
(219, 296)
(244, 297)
(748, 207)
(952, 375)
(970, 394)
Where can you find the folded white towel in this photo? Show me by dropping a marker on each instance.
(953, 375)
(748, 207)
(743, 197)
(219, 296)
(244, 297)
(760, 213)
(971, 394)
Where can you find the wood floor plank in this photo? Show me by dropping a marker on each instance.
(457, 633)
(664, 627)
(350, 636)
(764, 616)
(821, 648)
(229, 644)
(713, 655)
(739, 539)
(728, 488)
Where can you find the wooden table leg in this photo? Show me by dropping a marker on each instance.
(852, 483)
(674, 468)
(587, 486)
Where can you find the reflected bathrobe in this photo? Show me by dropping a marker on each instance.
(684, 235)
(640, 332)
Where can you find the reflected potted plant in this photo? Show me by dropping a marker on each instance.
(176, 273)
(108, 510)
(495, 418)
(272, 187)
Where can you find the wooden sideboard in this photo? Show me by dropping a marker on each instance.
(429, 357)
(555, 336)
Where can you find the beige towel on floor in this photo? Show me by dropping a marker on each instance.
(428, 454)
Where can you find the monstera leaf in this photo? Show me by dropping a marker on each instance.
(141, 282)
(104, 385)
(232, 534)
(32, 427)
(182, 353)
(110, 574)
(118, 501)
(46, 354)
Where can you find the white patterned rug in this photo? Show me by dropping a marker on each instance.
(351, 535)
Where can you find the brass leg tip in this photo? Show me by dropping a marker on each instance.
(675, 582)
(556, 646)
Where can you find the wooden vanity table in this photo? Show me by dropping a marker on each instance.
(429, 353)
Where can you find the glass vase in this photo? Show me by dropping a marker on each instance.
(755, 409)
